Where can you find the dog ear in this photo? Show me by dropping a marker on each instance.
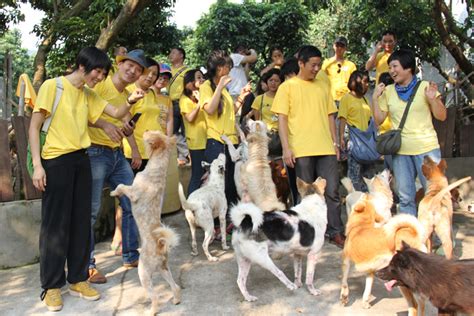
(405, 246)
(320, 185)
(443, 165)
(205, 165)
(301, 186)
(366, 180)
(425, 169)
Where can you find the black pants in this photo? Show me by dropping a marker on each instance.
(178, 125)
(142, 167)
(197, 156)
(308, 169)
(65, 220)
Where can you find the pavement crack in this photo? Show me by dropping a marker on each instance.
(117, 306)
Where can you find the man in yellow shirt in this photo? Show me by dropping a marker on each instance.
(175, 89)
(383, 50)
(307, 130)
(339, 69)
(107, 160)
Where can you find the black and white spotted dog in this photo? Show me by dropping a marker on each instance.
(298, 232)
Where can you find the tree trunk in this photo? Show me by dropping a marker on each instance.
(130, 9)
(40, 63)
(454, 50)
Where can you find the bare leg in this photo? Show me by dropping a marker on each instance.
(444, 234)
(412, 305)
(145, 276)
(208, 233)
(244, 268)
(369, 281)
(222, 223)
(166, 273)
(117, 239)
(344, 296)
(310, 267)
(192, 226)
(297, 264)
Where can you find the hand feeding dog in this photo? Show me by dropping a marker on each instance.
(297, 232)
(435, 211)
(448, 284)
(206, 203)
(371, 248)
(379, 189)
(255, 174)
(146, 200)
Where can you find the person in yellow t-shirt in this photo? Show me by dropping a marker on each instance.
(219, 112)
(419, 137)
(62, 171)
(354, 109)
(379, 58)
(307, 129)
(108, 162)
(166, 118)
(339, 69)
(134, 151)
(277, 59)
(195, 125)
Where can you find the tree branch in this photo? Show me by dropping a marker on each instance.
(453, 28)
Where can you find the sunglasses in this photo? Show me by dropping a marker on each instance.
(339, 66)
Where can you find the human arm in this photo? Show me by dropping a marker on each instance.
(250, 59)
(115, 133)
(240, 99)
(119, 112)
(372, 62)
(211, 106)
(379, 115)
(39, 175)
(189, 109)
(332, 129)
(288, 156)
(436, 105)
(136, 157)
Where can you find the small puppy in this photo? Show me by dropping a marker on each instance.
(379, 189)
(448, 284)
(206, 203)
(255, 174)
(298, 232)
(435, 211)
(371, 248)
(146, 195)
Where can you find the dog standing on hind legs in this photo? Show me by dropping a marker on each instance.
(206, 203)
(146, 194)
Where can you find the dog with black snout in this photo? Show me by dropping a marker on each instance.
(448, 284)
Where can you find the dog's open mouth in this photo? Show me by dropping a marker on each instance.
(390, 284)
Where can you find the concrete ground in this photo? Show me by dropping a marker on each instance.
(209, 288)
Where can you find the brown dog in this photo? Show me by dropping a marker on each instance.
(371, 248)
(435, 211)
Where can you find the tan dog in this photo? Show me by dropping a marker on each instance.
(146, 195)
(256, 174)
(371, 248)
(435, 211)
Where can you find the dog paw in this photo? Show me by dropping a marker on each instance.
(251, 298)
(113, 193)
(292, 286)
(212, 259)
(225, 247)
(344, 299)
(366, 305)
(314, 291)
(298, 283)
(176, 300)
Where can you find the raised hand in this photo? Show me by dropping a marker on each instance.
(431, 91)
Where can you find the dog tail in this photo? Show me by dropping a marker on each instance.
(439, 196)
(347, 183)
(247, 217)
(166, 238)
(407, 228)
(184, 203)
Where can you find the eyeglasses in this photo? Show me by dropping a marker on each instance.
(339, 66)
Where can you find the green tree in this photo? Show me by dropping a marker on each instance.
(9, 13)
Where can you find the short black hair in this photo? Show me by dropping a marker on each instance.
(182, 51)
(389, 32)
(354, 84)
(290, 66)
(308, 51)
(92, 58)
(274, 71)
(385, 78)
(406, 57)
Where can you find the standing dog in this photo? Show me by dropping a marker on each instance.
(379, 189)
(297, 232)
(371, 248)
(239, 156)
(435, 211)
(206, 203)
(449, 284)
(146, 195)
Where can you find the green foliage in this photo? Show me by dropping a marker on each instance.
(10, 13)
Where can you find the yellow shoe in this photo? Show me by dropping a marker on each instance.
(84, 290)
(52, 299)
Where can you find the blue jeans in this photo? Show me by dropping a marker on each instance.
(197, 156)
(406, 168)
(110, 166)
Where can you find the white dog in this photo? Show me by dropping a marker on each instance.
(297, 232)
(206, 203)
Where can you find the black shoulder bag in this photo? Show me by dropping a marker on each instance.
(389, 143)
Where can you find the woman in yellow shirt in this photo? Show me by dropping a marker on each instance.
(194, 125)
(219, 111)
(62, 172)
(354, 110)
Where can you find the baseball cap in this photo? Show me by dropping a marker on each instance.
(136, 55)
(341, 40)
(164, 68)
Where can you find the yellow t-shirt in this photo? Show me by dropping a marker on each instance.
(381, 64)
(177, 87)
(339, 76)
(356, 111)
(225, 124)
(68, 130)
(263, 104)
(196, 131)
(307, 105)
(107, 91)
(148, 107)
(418, 134)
